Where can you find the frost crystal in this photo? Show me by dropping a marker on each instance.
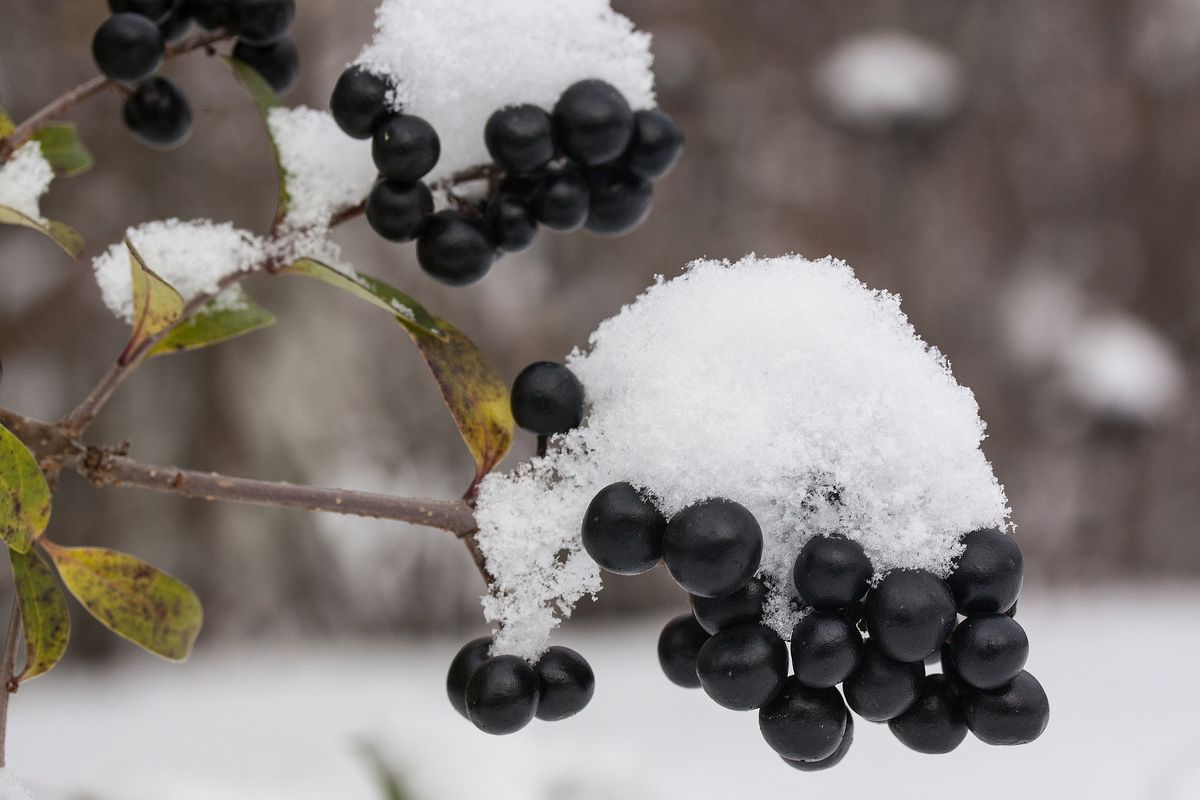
(11, 788)
(454, 62)
(24, 178)
(191, 256)
(784, 384)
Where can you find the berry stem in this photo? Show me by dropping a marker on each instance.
(7, 673)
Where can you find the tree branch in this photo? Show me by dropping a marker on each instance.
(8, 670)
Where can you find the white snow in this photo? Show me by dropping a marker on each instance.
(191, 256)
(876, 80)
(24, 178)
(770, 382)
(11, 788)
(454, 62)
(326, 170)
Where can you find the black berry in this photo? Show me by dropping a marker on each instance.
(618, 201)
(397, 211)
(882, 688)
(1013, 714)
(594, 122)
(213, 14)
(656, 145)
(718, 613)
(826, 648)
(359, 102)
(128, 47)
(405, 148)
(454, 249)
(1012, 611)
(502, 695)
(157, 113)
(622, 529)
(989, 650)
(175, 24)
(520, 139)
(263, 21)
(154, 10)
(830, 760)
(678, 648)
(935, 724)
(560, 200)
(713, 548)
(909, 614)
(988, 574)
(832, 572)
(511, 223)
(567, 683)
(465, 662)
(278, 62)
(743, 667)
(547, 399)
(804, 724)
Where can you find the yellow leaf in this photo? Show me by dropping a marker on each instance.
(64, 235)
(156, 304)
(25, 497)
(45, 618)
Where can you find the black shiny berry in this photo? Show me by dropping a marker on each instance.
(594, 122)
(935, 723)
(1012, 611)
(743, 606)
(832, 572)
(154, 10)
(713, 548)
(678, 648)
(622, 529)
(502, 695)
(618, 201)
(882, 688)
(176, 23)
(826, 648)
(213, 14)
(359, 102)
(263, 21)
(743, 667)
(910, 614)
(560, 199)
(128, 47)
(454, 249)
(988, 574)
(157, 113)
(656, 144)
(397, 211)
(989, 650)
(567, 684)
(278, 62)
(547, 399)
(520, 139)
(804, 724)
(511, 222)
(465, 662)
(1016, 713)
(405, 148)
(830, 760)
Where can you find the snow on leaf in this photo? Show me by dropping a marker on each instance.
(156, 304)
(374, 291)
(25, 497)
(45, 618)
(218, 321)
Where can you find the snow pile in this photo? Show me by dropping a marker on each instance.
(784, 384)
(194, 257)
(879, 80)
(24, 178)
(11, 788)
(454, 62)
(326, 170)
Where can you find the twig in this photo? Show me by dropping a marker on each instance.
(7, 673)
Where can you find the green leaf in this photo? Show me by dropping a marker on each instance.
(63, 149)
(6, 123)
(25, 497)
(45, 617)
(265, 99)
(216, 322)
(475, 394)
(374, 291)
(156, 304)
(131, 598)
(66, 236)
(390, 784)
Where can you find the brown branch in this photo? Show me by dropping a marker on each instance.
(8, 669)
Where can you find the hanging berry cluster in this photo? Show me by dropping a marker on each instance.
(130, 45)
(588, 163)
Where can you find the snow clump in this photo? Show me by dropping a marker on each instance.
(24, 178)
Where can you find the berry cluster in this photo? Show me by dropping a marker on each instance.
(130, 45)
(503, 694)
(589, 164)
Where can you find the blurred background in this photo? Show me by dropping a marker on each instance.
(1024, 174)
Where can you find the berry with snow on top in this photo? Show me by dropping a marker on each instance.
(465, 662)
(520, 138)
(405, 148)
(832, 573)
(718, 613)
(883, 688)
(826, 648)
(454, 248)
(502, 695)
(594, 122)
(157, 113)
(988, 574)
(804, 724)
(910, 614)
(679, 647)
(277, 62)
(566, 684)
(397, 211)
(1016, 713)
(128, 47)
(989, 650)
(713, 547)
(359, 102)
(622, 529)
(547, 399)
(743, 667)
(935, 723)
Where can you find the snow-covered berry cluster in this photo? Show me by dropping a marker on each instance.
(130, 45)
(588, 162)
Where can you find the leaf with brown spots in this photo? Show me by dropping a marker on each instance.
(131, 598)
(45, 618)
(25, 497)
(156, 304)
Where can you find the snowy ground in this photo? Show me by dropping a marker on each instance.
(1119, 665)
